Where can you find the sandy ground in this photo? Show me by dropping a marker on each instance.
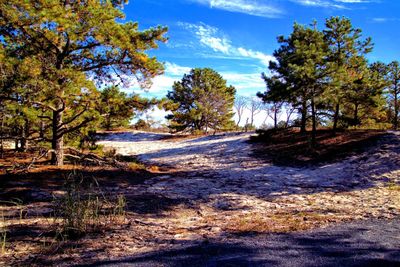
(221, 171)
(220, 193)
(218, 205)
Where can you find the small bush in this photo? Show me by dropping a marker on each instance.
(110, 152)
(267, 135)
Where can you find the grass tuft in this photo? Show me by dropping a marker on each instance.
(85, 208)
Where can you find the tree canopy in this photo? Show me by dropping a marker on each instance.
(54, 52)
(326, 74)
(201, 101)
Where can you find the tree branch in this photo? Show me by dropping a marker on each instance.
(74, 117)
(80, 125)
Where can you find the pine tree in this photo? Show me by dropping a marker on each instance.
(201, 101)
(345, 44)
(393, 79)
(299, 73)
(118, 109)
(69, 42)
(364, 95)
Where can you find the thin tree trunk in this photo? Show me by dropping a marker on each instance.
(42, 128)
(356, 115)
(16, 144)
(24, 136)
(288, 118)
(108, 122)
(2, 135)
(239, 119)
(57, 140)
(396, 109)
(336, 117)
(303, 116)
(314, 123)
(275, 118)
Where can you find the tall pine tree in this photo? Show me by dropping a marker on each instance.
(345, 46)
(72, 43)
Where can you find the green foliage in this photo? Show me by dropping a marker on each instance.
(55, 52)
(393, 90)
(346, 63)
(326, 74)
(299, 72)
(117, 108)
(201, 101)
(141, 125)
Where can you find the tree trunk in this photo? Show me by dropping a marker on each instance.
(57, 143)
(239, 119)
(276, 118)
(24, 136)
(355, 118)
(16, 144)
(396, 110)
(314, 123)
(42, 129)
(303, 116)
(2, 136)
(288, 118)
(108, 122)
(336, 117)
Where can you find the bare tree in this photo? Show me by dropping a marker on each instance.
(275, 110)
(289, 112)
(240, 105)
(255, 105)
(267, 110)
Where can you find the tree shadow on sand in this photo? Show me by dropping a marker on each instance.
(367, 243)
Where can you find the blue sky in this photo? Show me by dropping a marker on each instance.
(238, 37)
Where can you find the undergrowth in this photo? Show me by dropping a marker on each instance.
(84, 208)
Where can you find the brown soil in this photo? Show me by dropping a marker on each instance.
(292, 148)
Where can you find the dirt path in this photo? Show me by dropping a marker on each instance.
(221, 205)
(220, 171)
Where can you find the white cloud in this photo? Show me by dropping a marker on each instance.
(382, 20)
(250, 7)
(264, 58)
(337, 4)
(319, 3)
(246, 84)
(263, 8)
(211, 37)
(353, 1)
(175, 70)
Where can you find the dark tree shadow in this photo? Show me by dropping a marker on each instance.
(365, 243)
(131, 137)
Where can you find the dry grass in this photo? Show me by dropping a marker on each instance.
(393, 186)
(278, 223)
